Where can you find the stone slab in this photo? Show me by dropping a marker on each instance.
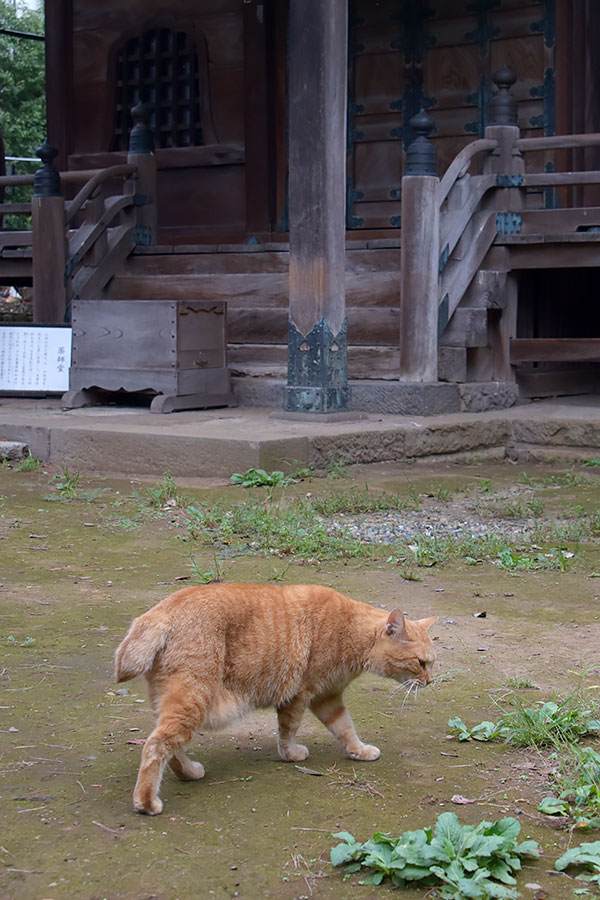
(216, 443)
(13, 450)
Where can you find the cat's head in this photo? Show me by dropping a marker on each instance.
(404, 650)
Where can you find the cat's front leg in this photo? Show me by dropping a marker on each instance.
(334, 715)
(289, 717)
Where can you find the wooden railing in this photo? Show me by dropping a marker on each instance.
(450, 225)
(78, 245)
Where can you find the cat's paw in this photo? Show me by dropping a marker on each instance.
(367, 753)
(192, 771)
(152, 807)
(297, 753)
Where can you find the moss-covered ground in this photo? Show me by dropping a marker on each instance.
(77, 562)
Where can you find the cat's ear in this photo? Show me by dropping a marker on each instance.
(427, 623)
(395, 625)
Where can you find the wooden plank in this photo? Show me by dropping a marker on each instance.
(559, 383)
(547, 221)
(551, 256)
(554, 350)
(15, 238)
(461, 164)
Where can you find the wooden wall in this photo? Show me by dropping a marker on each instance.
(202, 191)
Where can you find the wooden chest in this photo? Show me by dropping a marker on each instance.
(173, 348)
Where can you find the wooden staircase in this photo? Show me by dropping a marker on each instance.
(253, 280)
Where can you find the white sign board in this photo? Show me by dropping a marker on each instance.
(34, 358)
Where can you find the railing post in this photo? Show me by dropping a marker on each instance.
(503, 127)
(49, 242)
(141, 154)
(508, 165)
(419, 258)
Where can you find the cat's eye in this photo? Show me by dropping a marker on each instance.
(422, 663)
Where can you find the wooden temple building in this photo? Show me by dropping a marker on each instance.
(343, 204)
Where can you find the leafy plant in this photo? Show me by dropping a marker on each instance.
(29, 464)
(586, 855)
(472, 861)
(259, 478)
(594, 461)
(533, 726)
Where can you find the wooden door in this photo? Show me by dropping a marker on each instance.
(440, 55)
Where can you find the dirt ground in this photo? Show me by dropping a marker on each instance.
(74, 571)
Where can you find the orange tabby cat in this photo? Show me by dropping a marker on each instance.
(212, 653)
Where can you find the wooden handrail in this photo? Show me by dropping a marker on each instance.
(557, 142)
(461, 162)
(85, 237)
(557, 179)
(15, 180)
(99, 178)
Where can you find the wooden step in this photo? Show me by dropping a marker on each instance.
(366, 325)
(359, 259)
(370, 288)
(363, 362)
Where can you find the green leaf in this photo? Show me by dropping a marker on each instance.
(344, 836)
(587, 854)
(552, 806)
(447, 836)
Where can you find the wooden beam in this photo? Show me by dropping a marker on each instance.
(555, 350)
(257, 110)
(318, 47)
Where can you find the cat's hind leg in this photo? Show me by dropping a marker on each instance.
(181, 710)
(289, 717)
(334, 715)
(185, 768)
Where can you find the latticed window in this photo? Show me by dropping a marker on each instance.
(160, 68)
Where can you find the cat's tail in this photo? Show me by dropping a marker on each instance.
(137, 651)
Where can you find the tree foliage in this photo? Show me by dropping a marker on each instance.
(22, 92)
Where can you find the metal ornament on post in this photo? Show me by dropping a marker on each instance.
(421, 157)
(141, 138)
(502, 108)
(46, 180)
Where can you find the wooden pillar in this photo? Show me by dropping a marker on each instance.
(141, 154)
(419, 259)
(317, 362)
(49, 243)
(59, 76)
(258, 83)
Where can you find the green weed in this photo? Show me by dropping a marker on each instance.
(163, 494)
(519, 683)
(29, 464)
(283, 528)
(357, 501)
(206, 576)
(539, 726)
(335, 466)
